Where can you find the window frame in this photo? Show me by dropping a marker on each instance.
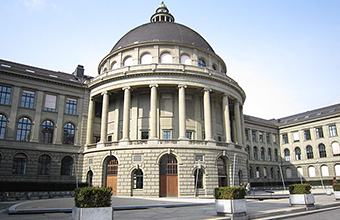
(27, 99)
(71, 106)
(5, 95)
(24, 129)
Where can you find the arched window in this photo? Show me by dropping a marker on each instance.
(3, 122)
(269, 154)
(255, 153)
(68, 133)
(222, 172)
(258, 175)
(336, 149)
(137, 179)
(250, 172)
(287, 154)
(47, 128)
(337, 169)
(240, 177)
(146, 59)
(265, 172)
(311, 171)
(309, 151)
(19, 164)
(44, 165)
(297, 153)
(214, 67)
(66, 166)
(278, 173)
(185, 59)
(324, 170)
(322, 151)
(201, 63)
(299, 172)
(289, 173)
(166, 58)
(276, 155)
(89, 177)
(24, 129)
(262, 153)
(198, 179)
(114, 65)
(128, 61)
(248, 151)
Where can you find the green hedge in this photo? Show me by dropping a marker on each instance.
(336, 187)
(300, 188)
(92, 197)
(230, 192)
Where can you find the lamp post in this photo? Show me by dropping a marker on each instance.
(75, 169)
(197, 173)
(234, 169)
(320, 174)
(283, 180)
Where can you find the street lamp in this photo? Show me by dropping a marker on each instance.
(75, 169)
(320, 174)
(234, 169)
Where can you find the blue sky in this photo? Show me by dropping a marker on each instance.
(285, 54)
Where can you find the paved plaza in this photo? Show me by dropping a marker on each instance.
(275, 206)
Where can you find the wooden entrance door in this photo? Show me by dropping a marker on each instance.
(111, 174)
(168, 178)
(222, 172)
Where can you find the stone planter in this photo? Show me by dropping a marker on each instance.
(302, 199)
(92, 213)
(236, 207)
(337, 195)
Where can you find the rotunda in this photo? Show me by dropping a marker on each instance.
(164, 117)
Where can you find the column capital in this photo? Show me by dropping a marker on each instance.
(206, 89)
(153, 85)
(182, 86)
(103, 93)
(126, 88)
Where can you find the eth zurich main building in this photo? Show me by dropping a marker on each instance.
(162, 118)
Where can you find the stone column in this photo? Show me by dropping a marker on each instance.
(207, 114)
(238, 122)
(90, 122)
(105, 108)
(226, 117)
(37, 118)
(181, 111)
(60, 122)
(153, 112)
(242, 127)
(126, 113)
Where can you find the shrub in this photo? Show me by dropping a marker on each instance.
(300, 188)
(92, 197)
(230, 192)
(336, 187)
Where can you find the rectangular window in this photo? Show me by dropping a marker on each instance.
(268, 138)
(137, 158)
(27, 99)
(50, 102)
(253, 135)
(319, 132)
(198, 157)
(71, 106)
(274, 138)
(261, 137)
(285, 138)
(5, 94)
(332, 130)
(296, 136)
(246, 131)
(145, 135)
(166, 134)
(307, 134)
(189, 134)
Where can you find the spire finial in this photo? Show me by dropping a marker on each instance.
(162, 14)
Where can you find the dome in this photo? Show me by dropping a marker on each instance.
(162, 28)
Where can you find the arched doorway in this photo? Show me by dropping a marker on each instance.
(168, 177)
(222, 171)
(89, 177)
(111, 174)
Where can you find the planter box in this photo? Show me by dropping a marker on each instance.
(226, 206)
(337, 195)
(302, 199)
(92, 213)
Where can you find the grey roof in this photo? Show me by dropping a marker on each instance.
(309, 115)
(162, 31)
(260, 120)
(30, 71)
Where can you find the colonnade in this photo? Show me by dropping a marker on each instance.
(238, 115)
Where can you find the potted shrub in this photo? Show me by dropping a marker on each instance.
(230, 200)
(336, 188)
(92, 203)
(300, 194)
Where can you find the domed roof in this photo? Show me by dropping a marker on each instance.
(162, 28)
(162, 31)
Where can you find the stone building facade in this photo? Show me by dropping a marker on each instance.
(162, 118)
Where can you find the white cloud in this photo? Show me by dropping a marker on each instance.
(36, 5)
